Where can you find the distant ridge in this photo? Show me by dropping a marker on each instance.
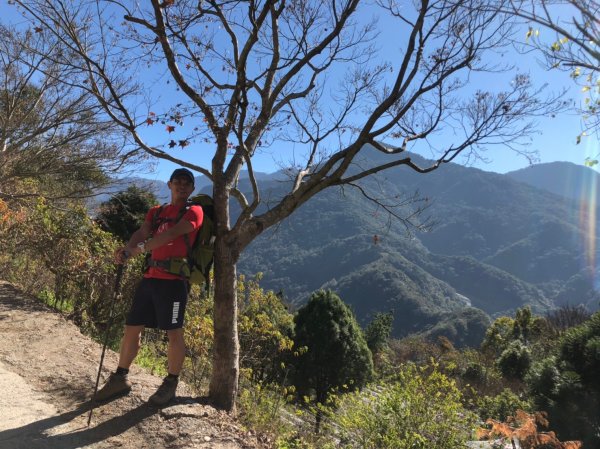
(566, 179)
(160, 189)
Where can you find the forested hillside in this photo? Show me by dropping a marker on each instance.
(496, 244)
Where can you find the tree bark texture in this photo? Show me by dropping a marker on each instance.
(225, 368)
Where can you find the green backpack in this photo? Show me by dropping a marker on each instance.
(198, 263)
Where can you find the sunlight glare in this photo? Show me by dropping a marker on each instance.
(588, 213)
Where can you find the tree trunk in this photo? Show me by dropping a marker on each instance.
(225, 368)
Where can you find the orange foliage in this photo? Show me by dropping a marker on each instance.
(4, 213)
(572, 445)
(524, 428)
(10, 216)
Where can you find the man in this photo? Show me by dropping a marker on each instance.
(161, 296)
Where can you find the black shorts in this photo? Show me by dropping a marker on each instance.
(159, 303)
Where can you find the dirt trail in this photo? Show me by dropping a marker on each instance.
(47, 373)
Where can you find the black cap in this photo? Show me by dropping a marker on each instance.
(182, 173)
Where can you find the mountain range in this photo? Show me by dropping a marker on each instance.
(498, 242)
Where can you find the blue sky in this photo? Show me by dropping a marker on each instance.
(554, 140)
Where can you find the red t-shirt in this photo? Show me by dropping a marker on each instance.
(177, 247)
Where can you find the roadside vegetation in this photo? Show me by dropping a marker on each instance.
(312, 377)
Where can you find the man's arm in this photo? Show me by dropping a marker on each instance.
(181, 227)
(138, 236)
(141, 235)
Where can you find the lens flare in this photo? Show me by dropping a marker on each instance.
(587, 220)
(588, 206)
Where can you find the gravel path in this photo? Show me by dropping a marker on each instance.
(47, 374)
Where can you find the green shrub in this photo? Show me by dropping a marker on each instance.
(261, 408)
(501, 406)
(543, 380)
(567, 385)
(378, 332)
(265, 329)
(417, 410)
(474, 373)
(150, 358)
(515, 360)
(580, 347)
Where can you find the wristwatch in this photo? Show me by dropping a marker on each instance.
(142, 247)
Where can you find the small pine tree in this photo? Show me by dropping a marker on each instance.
(378, 331)
(336, 355)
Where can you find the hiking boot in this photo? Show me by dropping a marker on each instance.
(165, 392)
(116, 385)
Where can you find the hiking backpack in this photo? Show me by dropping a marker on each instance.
(198, 263)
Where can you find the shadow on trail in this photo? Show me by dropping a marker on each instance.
(34, 435)
(11, 298)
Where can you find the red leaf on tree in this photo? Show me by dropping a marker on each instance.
(184, 143)
(170, 128)
(38, 29)
(149, 121)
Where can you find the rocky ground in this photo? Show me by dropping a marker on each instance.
(47, 374)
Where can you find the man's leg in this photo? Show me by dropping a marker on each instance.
(176, 351)
(130, 345)
(175, 358)
(118, 384)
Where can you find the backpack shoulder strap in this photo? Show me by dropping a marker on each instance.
(180, 214)
(156, 221)
(182, 211)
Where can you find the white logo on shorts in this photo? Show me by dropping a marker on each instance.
(175, 312)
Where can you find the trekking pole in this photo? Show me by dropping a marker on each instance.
(116, 293)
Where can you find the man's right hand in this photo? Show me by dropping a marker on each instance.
(121, 255)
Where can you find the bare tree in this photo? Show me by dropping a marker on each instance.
(567, 316)
(268, 74)
(574, 45)
(53, 142)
